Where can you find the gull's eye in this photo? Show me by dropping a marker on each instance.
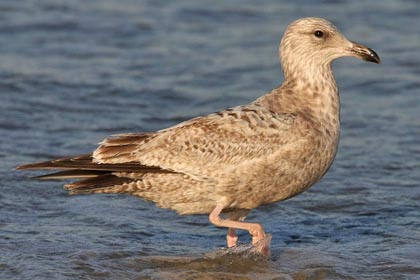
(319, 34)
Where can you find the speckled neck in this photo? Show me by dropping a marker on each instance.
(317, 95)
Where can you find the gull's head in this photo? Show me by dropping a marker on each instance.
(316, 42)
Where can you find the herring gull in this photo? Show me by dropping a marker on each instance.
(235, 160)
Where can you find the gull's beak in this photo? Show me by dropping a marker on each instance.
(364, 53)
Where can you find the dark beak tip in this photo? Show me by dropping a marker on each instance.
(372, 56)
(365, 53)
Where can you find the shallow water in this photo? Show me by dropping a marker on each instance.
(74, 72)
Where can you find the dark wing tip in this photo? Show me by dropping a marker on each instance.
(58, 163)
(25, 166)
(71, 174)
(83, 166)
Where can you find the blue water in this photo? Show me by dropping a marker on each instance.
(75, 72)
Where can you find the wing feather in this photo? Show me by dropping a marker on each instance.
(199, 146)
(196, 147)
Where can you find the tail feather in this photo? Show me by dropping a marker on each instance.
(100, 182)
(96, 177)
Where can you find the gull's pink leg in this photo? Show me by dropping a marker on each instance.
(256, 230)
(231, 238)
(237, 215)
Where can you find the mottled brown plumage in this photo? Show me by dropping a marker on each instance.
(238, 159)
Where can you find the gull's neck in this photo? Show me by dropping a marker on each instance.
(311, 92)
